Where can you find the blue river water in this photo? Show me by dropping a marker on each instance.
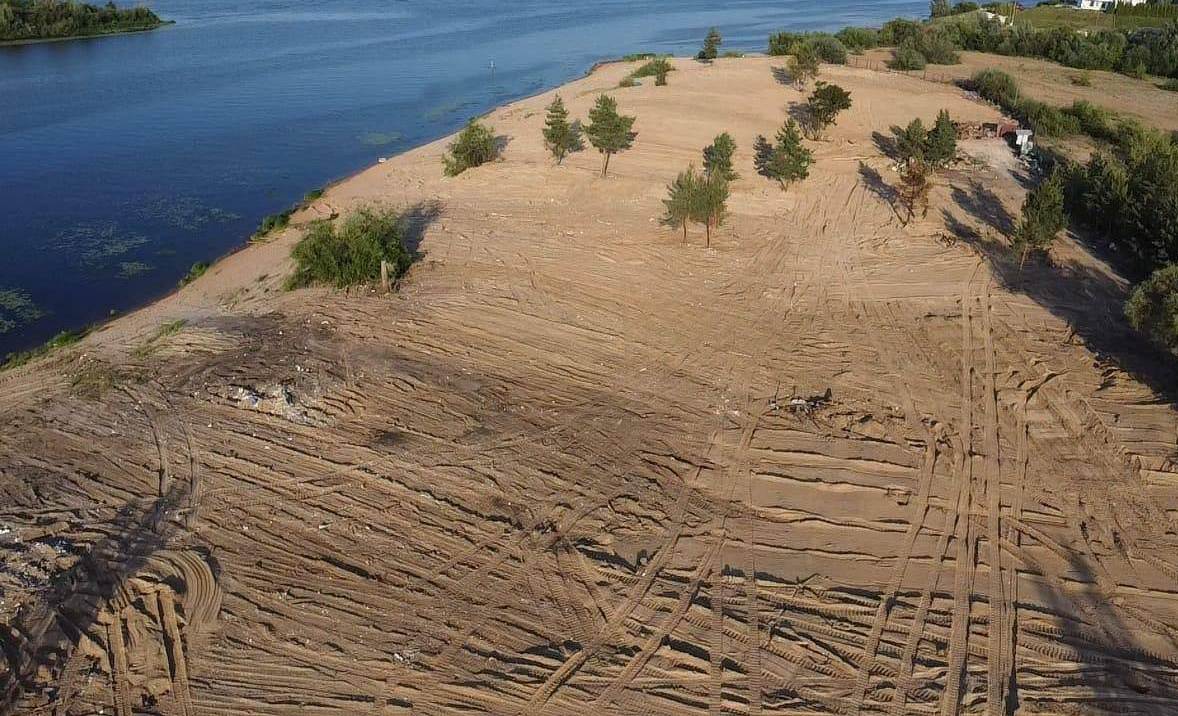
(126, 159)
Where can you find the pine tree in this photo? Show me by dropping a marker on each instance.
(940, 8)
(915, 186)
(609, 131)
(711, 204)
(825, 104)
(911, 141)
(941, 147)
(1042, 219)
(560, 137)
(786, 161)
(680, 202)
(711, 48)
(803, 64)
(718, 157)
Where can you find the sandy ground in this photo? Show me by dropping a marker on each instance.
(560, 472)
(1052, 83)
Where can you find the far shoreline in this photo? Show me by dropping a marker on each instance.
(91, 36)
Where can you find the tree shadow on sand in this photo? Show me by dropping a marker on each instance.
(1119, 668)
(874, 182)
(41, 638)
(984, 205)
(415, 221)
(1088, 299)
(782, 76)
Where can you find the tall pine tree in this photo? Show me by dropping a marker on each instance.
(1042, 220)
(560, 137)
(718, 157)
(682, 194)
(711, 49)
(787, 160)
(609, 131)
(942, 141)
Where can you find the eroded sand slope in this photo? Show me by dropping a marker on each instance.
(556, 473)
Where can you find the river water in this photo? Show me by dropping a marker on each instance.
(126, 159)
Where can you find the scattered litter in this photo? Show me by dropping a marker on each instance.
(807, 405)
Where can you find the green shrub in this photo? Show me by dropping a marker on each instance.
(1081, 80)
(858, 39)
(1094, 121)
(895, 32)
(1047, 120)
(1152, 308)
(272, 222)
(938, 46)
(474, 146)
(998, 87)
(1171, 85)
(351, 253)
(907, 57)
(829, 49)
(659, 65)
(637, 56)
(312, 196)
(733, 54)
(197, 270)
(781, 43)
(628, 81)
(61, 340)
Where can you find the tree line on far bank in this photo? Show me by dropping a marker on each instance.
(53, 19)
(1136, 53)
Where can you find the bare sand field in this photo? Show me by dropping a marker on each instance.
(1052, 82)
(561, 470)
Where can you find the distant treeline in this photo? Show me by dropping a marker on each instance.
(48, 19)
(1137, 52)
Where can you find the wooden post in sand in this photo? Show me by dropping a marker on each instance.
(384, 275)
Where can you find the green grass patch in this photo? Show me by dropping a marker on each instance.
(166, 329)
(198, 269)
(1047, 17)
(61, 340)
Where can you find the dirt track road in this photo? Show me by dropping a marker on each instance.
(559, 471)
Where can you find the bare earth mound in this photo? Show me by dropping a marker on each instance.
(561, 470)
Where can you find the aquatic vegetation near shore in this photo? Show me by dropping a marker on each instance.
(61, 340)
(183, 212)
(443, 111)
(97, 245)
(130, 269)
(380, 139)
(198, 269)
(16, 309)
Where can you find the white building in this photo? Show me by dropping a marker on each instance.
(1105, 4)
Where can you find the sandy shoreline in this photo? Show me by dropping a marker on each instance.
(560, 471)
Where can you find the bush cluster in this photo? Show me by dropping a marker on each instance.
(351, 253)
(828, 48)
(474, 146)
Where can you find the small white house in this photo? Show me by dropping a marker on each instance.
(1105, 4)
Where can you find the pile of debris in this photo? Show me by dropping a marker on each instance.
(986, 130)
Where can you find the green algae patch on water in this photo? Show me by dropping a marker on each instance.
(17, 309)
